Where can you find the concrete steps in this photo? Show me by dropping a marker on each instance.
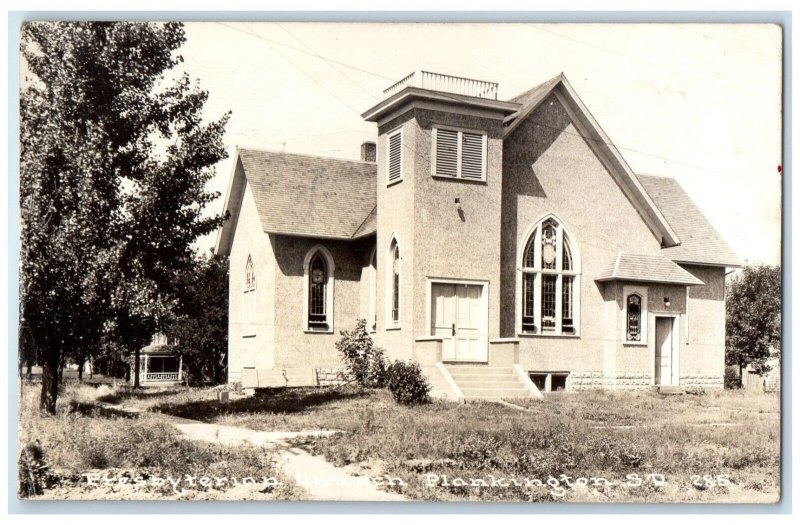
(669, 390)
(488, 382)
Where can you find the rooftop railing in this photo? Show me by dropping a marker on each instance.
(446, 83)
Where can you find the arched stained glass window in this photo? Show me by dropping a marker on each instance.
(317, 292)
(395, 284)
(550, 281)
(633, 315)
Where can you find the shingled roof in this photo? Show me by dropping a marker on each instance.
(700, 242)
(648, 268)
(310, 196)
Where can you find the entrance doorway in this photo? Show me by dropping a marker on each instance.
(666, 352)
(459, 315)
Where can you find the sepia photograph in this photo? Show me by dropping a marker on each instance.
(524, 262)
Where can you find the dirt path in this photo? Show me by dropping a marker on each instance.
(321, 480)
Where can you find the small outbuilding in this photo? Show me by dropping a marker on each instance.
(159, 364)
(756, 381)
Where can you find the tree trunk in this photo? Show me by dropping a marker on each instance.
(51, 364)
(60, 373)
(136, 366)
(81, 362)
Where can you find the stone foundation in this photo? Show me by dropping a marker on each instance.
(702, 380)
(586, 381)
(332, 376)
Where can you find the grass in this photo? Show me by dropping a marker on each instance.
(79, 440)
(689, 439)
(595, 434)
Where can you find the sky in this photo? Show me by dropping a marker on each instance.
(701, 103)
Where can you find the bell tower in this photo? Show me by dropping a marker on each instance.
(439, 159)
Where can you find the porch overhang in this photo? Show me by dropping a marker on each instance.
(647, 268)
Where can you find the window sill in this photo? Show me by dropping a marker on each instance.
(634, 343)
(307, 331)
(248, 336)
(393, 327)
(393, 182)
(459, 179)
(557, 336)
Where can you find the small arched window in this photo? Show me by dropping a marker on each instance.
(249, 299)
(318, 305)
(633, 316)
(249, 275)
(373, 290)
(394, 285)
(550, 281)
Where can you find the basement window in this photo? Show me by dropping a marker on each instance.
(549, 381)
(540, 380)
(558, 382)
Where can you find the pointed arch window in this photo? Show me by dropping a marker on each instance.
(249, 299)
(550, 287)
(373, 290)
(318, 304)
(394, 284)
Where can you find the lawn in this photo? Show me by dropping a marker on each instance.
(721, 446)
(590, 446)
(81, 449)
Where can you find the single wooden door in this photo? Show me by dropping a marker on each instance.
(664, 343)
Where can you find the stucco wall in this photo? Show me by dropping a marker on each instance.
(435, 240)
(256, 348)
(549, 168)
(395, 220)
(703, 358)
(448, 244)
(295, 346)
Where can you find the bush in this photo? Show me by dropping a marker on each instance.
(33, 470)
(407, 384)
(732, 380)
(364, 362)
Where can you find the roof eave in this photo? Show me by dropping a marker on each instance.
(311, 235)
(233, 201)
(687, 282)
(374, 113)
(716, 264)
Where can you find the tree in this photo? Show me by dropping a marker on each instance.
(115, 156)
(200, 324)
(753, 317)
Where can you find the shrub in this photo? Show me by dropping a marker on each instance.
(732, 381)
(364, 362)
(32, 470)
(407, 384)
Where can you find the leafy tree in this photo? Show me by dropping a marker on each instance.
(753, 317)
(200, 324)
(115, 156)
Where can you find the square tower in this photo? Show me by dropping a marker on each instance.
(439, 158)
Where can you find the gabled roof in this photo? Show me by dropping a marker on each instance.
(369, 226)
(159, 348)
(700, 241)
(302, 195)
(602, 146)
(647, 268)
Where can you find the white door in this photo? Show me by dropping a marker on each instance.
(458, 315)
(664, 347)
